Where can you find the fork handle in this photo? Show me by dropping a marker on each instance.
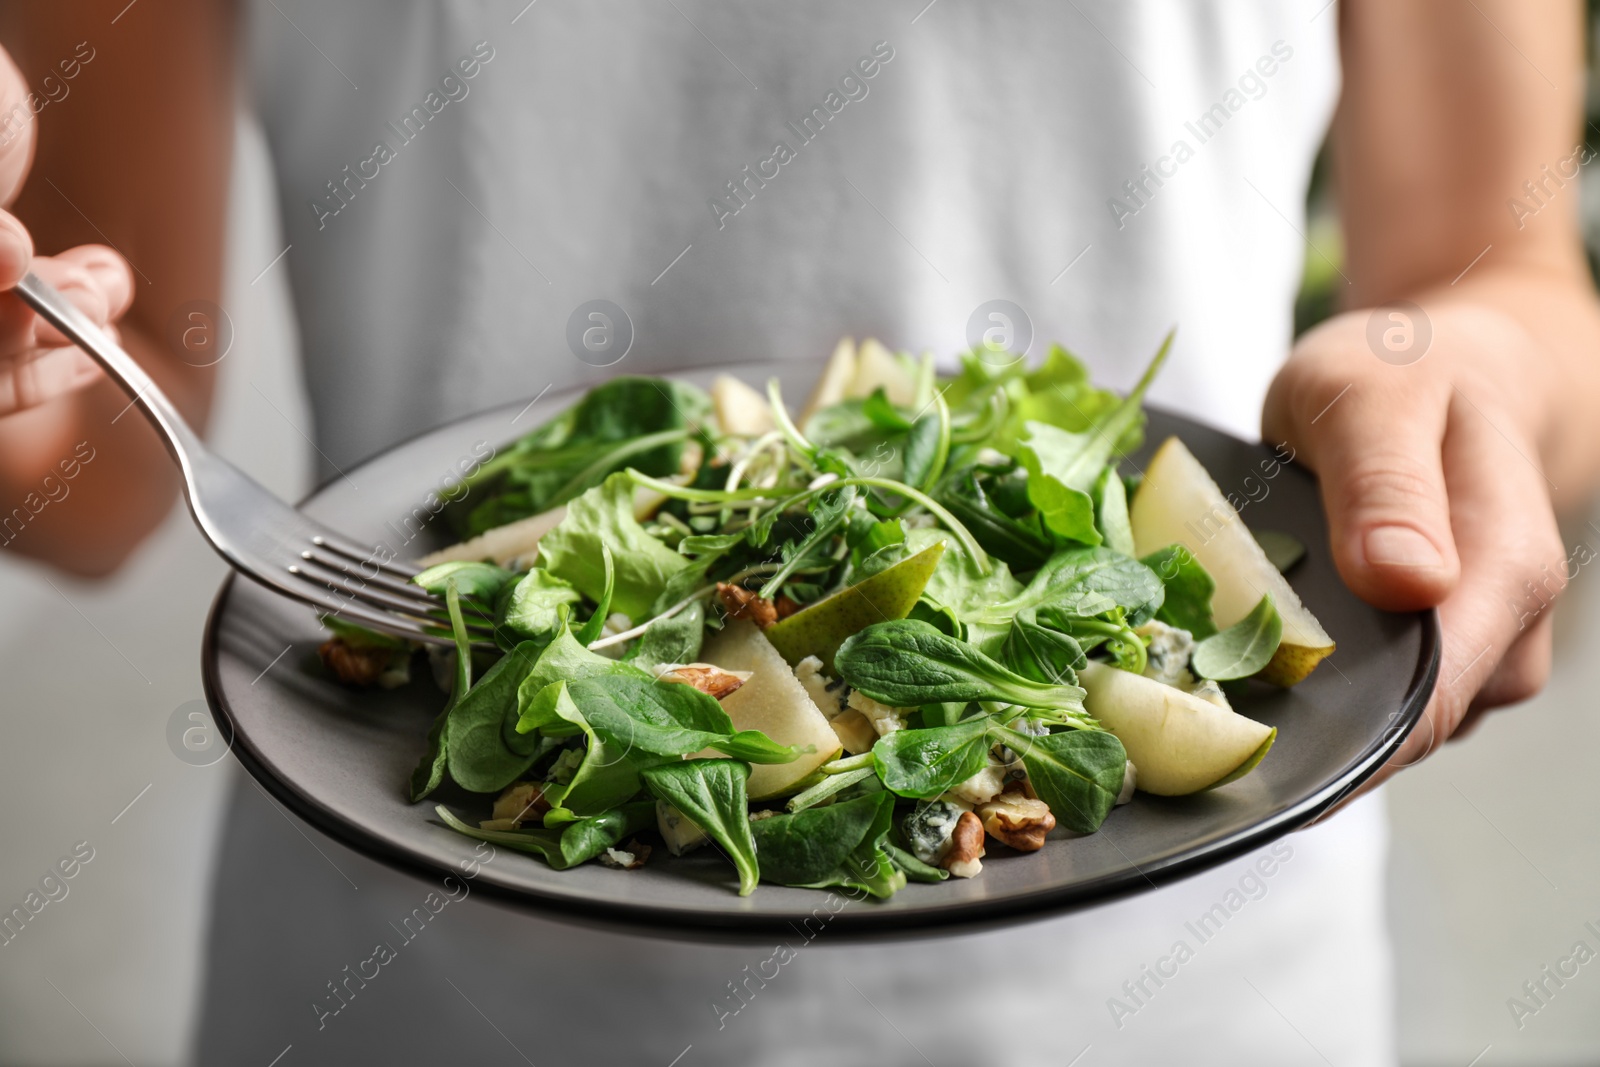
(179, 437)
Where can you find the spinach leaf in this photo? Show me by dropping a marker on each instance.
(590, 632)
(1283, 550)
(957, 583)
(882, 413)
(601, 517)
(907, 663)
(480, 755)
(1187, 604)
(537, 604)
(1041, 654)
(927, 447)
(1243, 648)
(673, 640)
(922, 764)
(564, 659)
(609, 771)
(430, 770)
(868, 867)
(586, 838)
(809, 845)
(577, 842)
(481, 582)
(711, 792)
(1078, 773)
(1087, 582)
(666, 719)
(1111, 511)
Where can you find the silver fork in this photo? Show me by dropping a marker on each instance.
(259, 535)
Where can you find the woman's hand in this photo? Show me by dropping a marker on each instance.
(38, 364)
(1435, 487)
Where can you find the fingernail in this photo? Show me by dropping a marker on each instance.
(1400, 546)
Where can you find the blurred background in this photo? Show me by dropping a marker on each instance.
(1493, 869)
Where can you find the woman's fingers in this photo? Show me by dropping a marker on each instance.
(37, 363)
(16, 250)
(1374, 434)
(1495, 624)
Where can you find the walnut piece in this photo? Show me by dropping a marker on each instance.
(705, 677)
(742, 603)
(521, 802)
(352, 665)
(966, 847)
(1015, 819)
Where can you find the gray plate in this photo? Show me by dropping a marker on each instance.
(339, 758)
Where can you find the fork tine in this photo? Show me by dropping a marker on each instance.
(340, 565)
(406, 612)
(355, 552)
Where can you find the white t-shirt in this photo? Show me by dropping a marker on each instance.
(751, 182)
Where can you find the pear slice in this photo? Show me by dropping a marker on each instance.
(1179, 504)
(834, 385)
(879, 368)
(821, 628)
(1178, 743)
(741, 411)
(773, 701)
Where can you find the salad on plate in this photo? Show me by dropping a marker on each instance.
(928, 620)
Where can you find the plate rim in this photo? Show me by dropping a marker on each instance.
(855, 924)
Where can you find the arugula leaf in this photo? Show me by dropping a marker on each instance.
(1111, 511)
(711, 792)
(430, 770)
(537, 604)
(1022, 544)
(1243, 648)
(602, 517)
(1063, 466)
(1078, 773)
(829, 511)
(627, 421)
(1058, 485)
(597, 621)
(922, 764)
(809, 845)
(907, 663)
(1187, 604)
